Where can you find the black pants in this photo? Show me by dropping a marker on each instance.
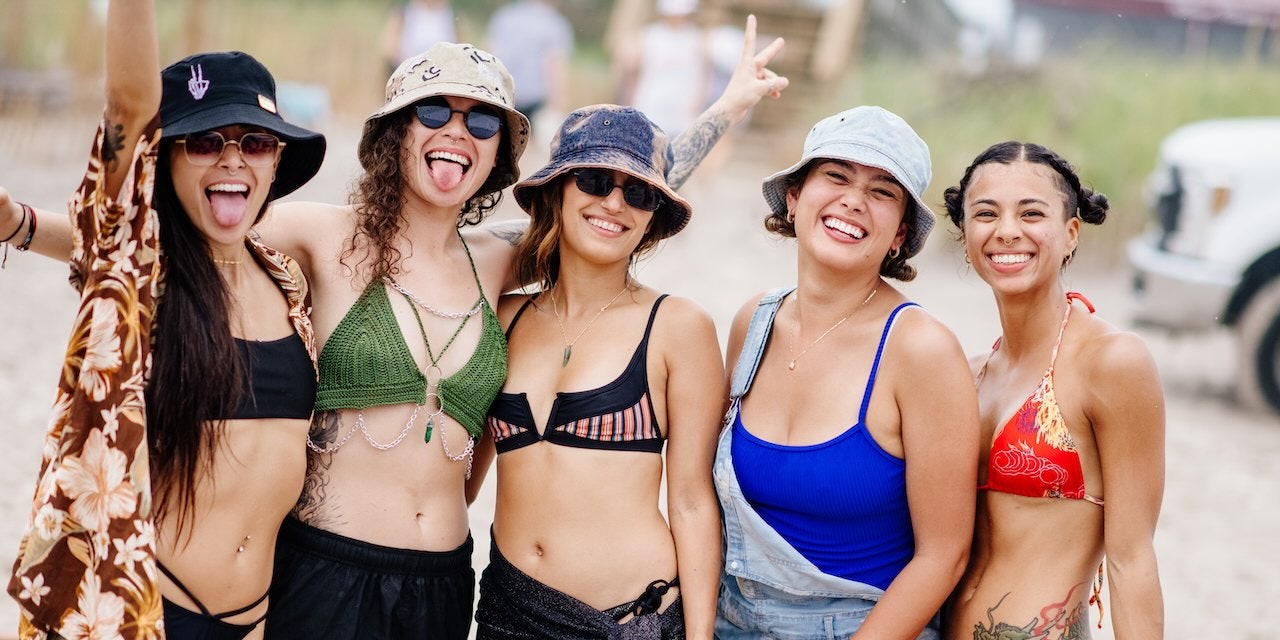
(328, 586)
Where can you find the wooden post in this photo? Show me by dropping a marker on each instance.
(836, 46)
(14, 33)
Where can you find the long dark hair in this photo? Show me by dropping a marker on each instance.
(196, 369)
(378, 194)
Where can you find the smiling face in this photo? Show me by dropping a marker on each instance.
(602, 226)
(446, 166)
(222, 199)
(848, 212)
(1017, 233)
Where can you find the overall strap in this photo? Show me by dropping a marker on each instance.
(753, 346)
(875, 365)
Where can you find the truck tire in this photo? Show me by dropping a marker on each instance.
(1258, 364)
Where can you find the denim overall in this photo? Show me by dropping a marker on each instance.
(767, 589)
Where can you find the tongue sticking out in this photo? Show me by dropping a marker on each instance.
(446, 174)
(228, 208)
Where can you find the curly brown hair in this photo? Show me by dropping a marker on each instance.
(895, 263)
(378, 194)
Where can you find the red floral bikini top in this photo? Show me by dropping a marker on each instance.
(1033, 454)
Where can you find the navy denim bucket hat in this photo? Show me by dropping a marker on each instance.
(873, 137)
(451, 69)
(608, 136)
(212, 90)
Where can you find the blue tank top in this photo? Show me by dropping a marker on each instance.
(841, 503)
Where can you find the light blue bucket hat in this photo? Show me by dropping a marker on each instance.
(869, 136)
(609, 136)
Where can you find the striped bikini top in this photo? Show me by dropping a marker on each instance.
(616, 416)
(1033, 453)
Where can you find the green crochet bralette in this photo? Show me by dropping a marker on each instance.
(366, 363)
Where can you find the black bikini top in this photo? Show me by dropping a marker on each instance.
(617, 416)
(279, 382)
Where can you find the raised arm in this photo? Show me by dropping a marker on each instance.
(132, 83)
(751, 81)
(132, 100)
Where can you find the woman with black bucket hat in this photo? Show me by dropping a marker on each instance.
(845, 469)
(176, 442)
(603, 372)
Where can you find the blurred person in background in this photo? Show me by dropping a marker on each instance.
(664, 69)
(177, 441)
(1072, 412)
(413, 26)
(536, 42)
(848, 505)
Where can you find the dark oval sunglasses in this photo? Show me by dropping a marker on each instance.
(599, 182)
(482, 122)
(205, 148)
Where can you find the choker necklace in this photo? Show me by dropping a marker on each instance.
(791, 366)
(226, 263)
(568, 346)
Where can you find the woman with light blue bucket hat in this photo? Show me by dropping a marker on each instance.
(846, 465)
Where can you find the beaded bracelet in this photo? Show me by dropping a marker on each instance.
(31, 232)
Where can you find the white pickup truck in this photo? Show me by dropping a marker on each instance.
(1212, 254)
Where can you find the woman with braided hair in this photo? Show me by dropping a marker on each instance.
(1074, 471)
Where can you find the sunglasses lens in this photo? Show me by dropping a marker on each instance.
(433, 115)
(259, 146)
(204, 148)
(483, 123)
(641, 196)
(594, 182)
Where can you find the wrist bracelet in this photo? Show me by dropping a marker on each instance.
(31, 232)
(21, 224)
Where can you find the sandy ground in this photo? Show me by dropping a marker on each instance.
(1216, 538)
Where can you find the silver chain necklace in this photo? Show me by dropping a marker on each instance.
(450, 315)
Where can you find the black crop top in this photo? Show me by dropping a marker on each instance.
(617, 416)
(279, 382)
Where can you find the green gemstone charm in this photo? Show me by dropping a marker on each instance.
(568, 351)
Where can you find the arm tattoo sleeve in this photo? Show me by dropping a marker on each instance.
(694, 144)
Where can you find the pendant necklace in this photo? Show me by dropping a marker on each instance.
(791, 366)
(568, 345)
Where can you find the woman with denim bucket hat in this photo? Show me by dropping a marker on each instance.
(175, 449)
(832, 530)
(382, 519)
(603, 371)
(1092, 426)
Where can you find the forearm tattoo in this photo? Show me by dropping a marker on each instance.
(694, 144)
(112, 145)
(312, 507)
(1057, 621)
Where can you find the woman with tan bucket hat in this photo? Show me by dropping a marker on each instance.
(378, 544)
(845, 469)
(603, 372)
(175, 446)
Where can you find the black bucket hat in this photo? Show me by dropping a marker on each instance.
(211, 90)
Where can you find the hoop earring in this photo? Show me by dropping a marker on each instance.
(791, 216)
(894, 252)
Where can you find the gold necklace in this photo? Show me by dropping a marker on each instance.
(791, 366)
(568, 346)
(227, 263)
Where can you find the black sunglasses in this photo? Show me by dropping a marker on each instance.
(205, 148)
(482, 122)
(599, 182)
